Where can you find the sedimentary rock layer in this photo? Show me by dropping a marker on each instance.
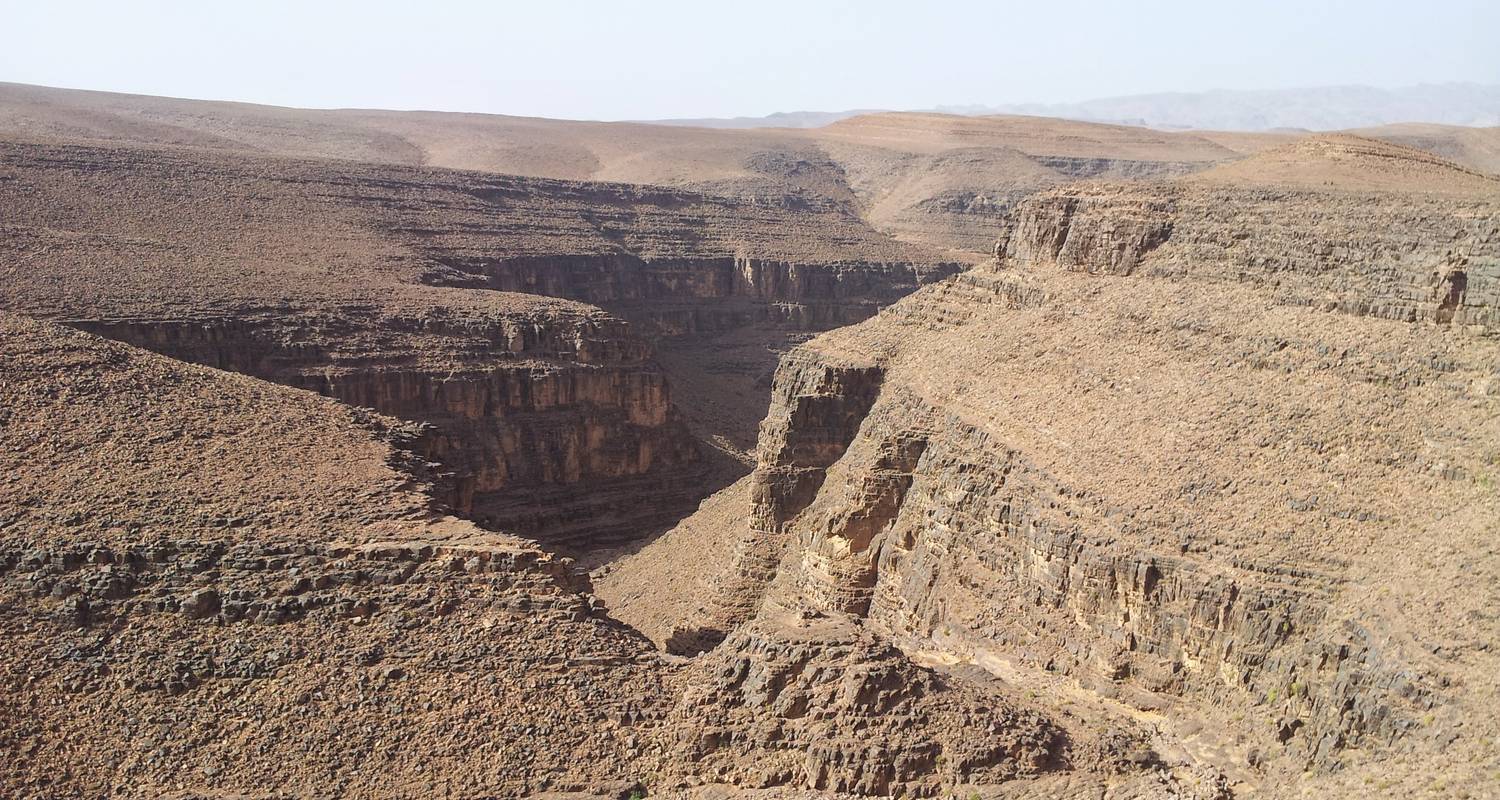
(1204, 450)
(213, 585)
(683, 296)
(419, 293)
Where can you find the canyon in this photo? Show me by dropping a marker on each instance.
(408, 454)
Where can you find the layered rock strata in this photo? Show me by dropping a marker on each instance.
(1238, 483)
(673, 297)
(392, 289)
(217, 586)
(1403, 235)
(821, 703)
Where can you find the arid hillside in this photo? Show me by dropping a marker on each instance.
(436, 296)
(941, 179)
(214, 585)
(408, 454)
(1214, 455)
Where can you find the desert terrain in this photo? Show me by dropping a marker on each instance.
(420, 454)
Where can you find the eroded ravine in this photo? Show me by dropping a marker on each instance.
(1176, 495)
(1137, 463)
(515, 318)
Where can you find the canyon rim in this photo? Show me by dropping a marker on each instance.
(423, 454)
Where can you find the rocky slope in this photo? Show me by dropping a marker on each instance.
(402, 290)
(1202, 454)
(214, 586)
(1188, 492)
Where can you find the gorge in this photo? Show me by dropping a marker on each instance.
(913, 456)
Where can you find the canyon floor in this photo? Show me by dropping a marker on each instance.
(408, 454)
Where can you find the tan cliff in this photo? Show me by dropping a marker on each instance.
(401, 291)
(1188, 455)
(191, 560)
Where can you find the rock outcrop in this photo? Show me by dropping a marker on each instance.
(1340, 223)
(426, 295)
(546, 401)
(1139, 460)
(820, 703)
(214, 586)
(673, 297)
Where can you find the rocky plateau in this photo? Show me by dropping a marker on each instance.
(402, 454)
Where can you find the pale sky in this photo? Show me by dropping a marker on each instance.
(637, 60)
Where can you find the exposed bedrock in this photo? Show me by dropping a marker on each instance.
(937, 534)
(432, 658)
(819, 702)
(1079, 167)
(815, 413)
(1078, 235)
(668, 296)
(533, 409)
(1400, 257)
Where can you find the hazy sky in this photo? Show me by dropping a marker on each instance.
(622, 59)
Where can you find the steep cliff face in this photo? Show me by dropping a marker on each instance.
(1180, 493)
(816, 412)
(212, 585)
(935, 530)
(1403, 236)
(678, 296)
(540, 404)
(1082, 233)
(448, 298)
(1374, 255)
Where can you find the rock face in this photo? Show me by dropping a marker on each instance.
(820, 703)
(1078, 233)
(816, 411)
(931, 526)
(402, 290)
(672, 297)
(549, 401)
(1187, 449)
(1406, 236)
(217, 586)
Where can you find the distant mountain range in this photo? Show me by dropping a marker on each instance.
(781, 119)
(1322, 108)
